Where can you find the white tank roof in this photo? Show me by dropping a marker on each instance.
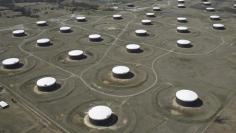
(181, 0)
(100, 112)
(181, 5)
(117, 16)
(150, 14)
(94, 36)
(18, 32)
(186, 95)
(214, 17)
(133, 46)
(146, 21)
(46, 82)
(182, 28)
(140, 31)
(206, 3)
(210, 8)
(3, 104)
(80, 17)
(120, 70)
(234, 5)
(181, 18)
(65, 28)
(218, 25)
(43, 40)
(156, 8)
(183, 42)
(41, 22)
(10, 61)
(75, 53)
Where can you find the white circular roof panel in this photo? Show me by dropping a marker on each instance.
(218, 25)
(150, 13)
(41, 22)
(140, 31)
(183, 42)
(18, 32)
(133, 46)
(75, 53)
(100, 112)
(146, 21)
(80, 18)
(182, 28)
(186, 95)
(215, 17)
(94, 36)
(181, 19)
(120, 70)
(10, 61)
(43, 40)
(65, 28)
(46, 82)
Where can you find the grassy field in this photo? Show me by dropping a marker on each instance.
(143, 104)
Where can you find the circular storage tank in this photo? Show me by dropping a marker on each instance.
(186, 98)
(146, 22)
(184, 43)
(65, 29)
(100, 115)
(11, 63)
(207, 3)
(95, 37)
(150, 14)
(41, 23)
(141, 32)
(117, 16)
(156, 8)
(133, 48)
(76, 54)
(234, 5)
(43, 42)
(81, 19)
(181, 6)
(215, 17)
(46, 84)
(218, 26)
(182, 29)
(182, 19)
(18, 33)
(210, 9)
(121, 72)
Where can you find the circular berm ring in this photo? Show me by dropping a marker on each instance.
(103, 40)
(109, 28)
(138, 79)
(125, 18)
(122, 120)
(143, 53)
(3, 47)
(63, 59)
(23, 33)
(62, 88)
(64, 31)
(33, 46)
(166, 103)
(23, 66)
(139, 35)
(153, 32)
(199, 44)
(184, 31)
